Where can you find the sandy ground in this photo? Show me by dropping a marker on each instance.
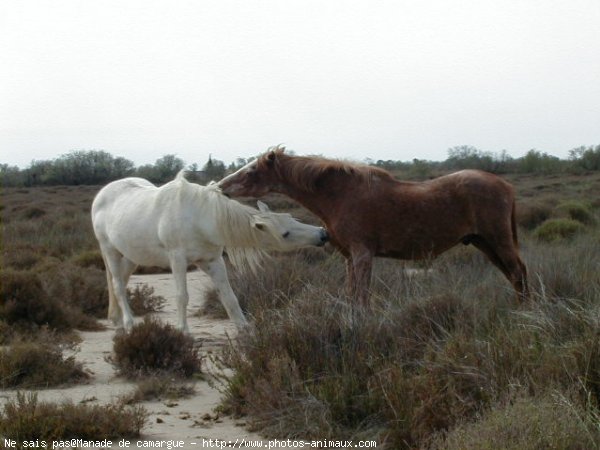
(191, 420)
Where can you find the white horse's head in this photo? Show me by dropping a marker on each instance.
(290, 234)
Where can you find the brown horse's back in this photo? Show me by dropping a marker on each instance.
(412, 220)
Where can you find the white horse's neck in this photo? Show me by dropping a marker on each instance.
(234, 222)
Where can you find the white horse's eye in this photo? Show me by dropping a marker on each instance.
(286, 234)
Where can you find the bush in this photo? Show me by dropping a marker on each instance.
(157, 387)
(528, 423)
(553, 230)
(435, 350)
(530, 215)
(37, 365)
(577, 211)
(153, 348)
(82, 290)
(22, 256)
(143, 301)
(284, 276)
(212, 306)
(33, 212)
(89, 258)
(26, 418)
(25, 302)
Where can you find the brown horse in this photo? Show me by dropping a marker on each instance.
(369, 213)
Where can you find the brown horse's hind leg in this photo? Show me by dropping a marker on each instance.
(506, 258)
(350, 280)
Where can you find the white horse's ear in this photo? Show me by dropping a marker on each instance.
(262, 207)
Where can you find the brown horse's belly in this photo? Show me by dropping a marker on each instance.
(418, 250)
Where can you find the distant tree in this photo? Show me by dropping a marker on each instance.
(38, 172)
(539, 162)
(468, 157)
(421, 168)
(586, 158)
(79, 167)
(11, 176)
(168, 166)
(214, 169)
(163, 170)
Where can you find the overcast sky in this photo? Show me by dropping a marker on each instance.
(354, 79)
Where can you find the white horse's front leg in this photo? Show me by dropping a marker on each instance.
(218, 272)
(178, 263)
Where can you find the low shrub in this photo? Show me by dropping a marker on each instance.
(212, 306)
(285, 275)
(553, 230)
(152, 347)
(527, 423)
(89, 258)
(37, 365)
(438, 348)
(158, 388)
(577, 211)
(22, 256)
(532, 214)
(24, 301)
(82, 290)
(33, 212)
(142, 300)
(27, 418)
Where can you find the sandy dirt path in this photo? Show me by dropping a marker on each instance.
(191, 420)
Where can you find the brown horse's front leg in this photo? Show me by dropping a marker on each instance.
(350, 278)
(362, 264)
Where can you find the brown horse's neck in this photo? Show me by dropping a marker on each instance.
(321, 201)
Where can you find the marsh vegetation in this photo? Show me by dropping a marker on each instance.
(446, 358)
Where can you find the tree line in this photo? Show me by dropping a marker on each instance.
(581, 159)
(96, 167)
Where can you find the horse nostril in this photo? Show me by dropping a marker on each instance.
(324, 235)
(286, 234)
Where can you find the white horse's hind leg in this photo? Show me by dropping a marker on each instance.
(218, 272)
(179, 268)
(118, 271)
(114, 311)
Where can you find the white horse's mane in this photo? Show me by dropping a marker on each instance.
(235, 221)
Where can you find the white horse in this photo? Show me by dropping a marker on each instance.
(182, 224)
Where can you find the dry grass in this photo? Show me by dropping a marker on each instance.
(142, 300)
(445, 359)
(37, 364)
(438, 349)
(28, 419)
(159, 388)
(527, 423)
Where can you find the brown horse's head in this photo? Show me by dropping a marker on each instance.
(256, 178)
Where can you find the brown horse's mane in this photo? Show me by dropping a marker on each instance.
(305, 171)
